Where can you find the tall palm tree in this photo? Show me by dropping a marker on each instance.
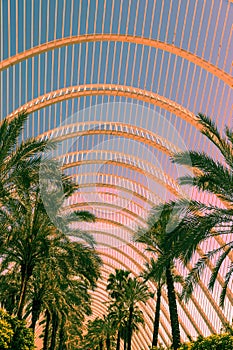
(215, 177)
(29, 233)
(19, 161)
(162, 221)
(62, 275)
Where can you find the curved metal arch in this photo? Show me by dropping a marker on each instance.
(222, 75)
(71, 201)
(112, 128)
(107, 89)
(128, 161)
(108, 205)
(141, 196)
(127, 190)
(116, 223)
(124, 212)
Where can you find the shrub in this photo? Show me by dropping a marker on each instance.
(6, 334)
(14, 334)
(214, 342)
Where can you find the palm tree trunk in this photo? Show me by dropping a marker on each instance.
(118, 344)
(54, 331)
(23, 291)
(125, 343)
(61, 345)
(108, 342)
(46, 332)
(129, 330)
(156, 319)
(36, 307)
(173, 308)
(101, 345)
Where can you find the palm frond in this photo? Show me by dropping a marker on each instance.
(229, 134)
(84, 215)
(9, 133)
(226, 282)
(210, 130)
(193, 277)
(218, 265)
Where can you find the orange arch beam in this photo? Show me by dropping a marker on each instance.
(55, 44)
(167, 181)
(107, 89)
(155, 140)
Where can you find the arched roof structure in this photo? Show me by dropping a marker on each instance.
(119, 84)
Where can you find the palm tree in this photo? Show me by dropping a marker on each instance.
(18, 168)
(117, 282)
(9, 290)
(51, 270)
(126, 293)
(15, 157)
(118, 314)
(60, 275)
(215, 177)
(136, 291)
(161, 222)
(29, 233)
(97, 333)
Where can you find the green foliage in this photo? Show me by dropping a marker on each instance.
(6, 333)
(14, 334)
(214, 342)
(201, 221)
(42, 269)
(126, 292)
(161, 224)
